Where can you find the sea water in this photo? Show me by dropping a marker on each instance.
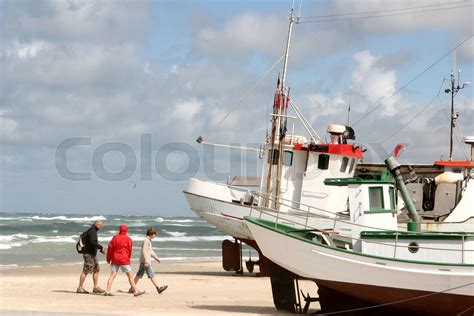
(28, 240)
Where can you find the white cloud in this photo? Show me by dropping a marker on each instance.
(147, 68)
(322, 104)
(466, 52)
(26, 50)
(187, 109)
(243, 34)
(71, 65)
(373, 83)
(81, 68)
(8, 129)
(256, 33)
(174, 69)
(73, 21)
(455, 19)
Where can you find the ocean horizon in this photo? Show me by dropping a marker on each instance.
(48, 239)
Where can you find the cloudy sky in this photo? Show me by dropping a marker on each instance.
(147, 78)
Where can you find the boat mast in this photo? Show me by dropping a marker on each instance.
(278, 112)
(275, 123)
(285, 62)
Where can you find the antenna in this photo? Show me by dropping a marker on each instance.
(454, 90)
(453, 66)
(349, 108)
(442, 145)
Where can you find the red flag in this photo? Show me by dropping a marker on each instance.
(276, 100)
(398, 150)
(287, 98)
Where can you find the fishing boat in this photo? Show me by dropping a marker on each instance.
(294, 170)
(379, 268)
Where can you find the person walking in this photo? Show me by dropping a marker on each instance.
(146, 254)
(91, 264)
(119, 253)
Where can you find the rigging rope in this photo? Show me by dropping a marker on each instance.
(417, 114)
(380, 15)
(365, 115)
(461, 137)
(399, 301)
(306, 124)
(458, 127)
(422, 110)
(242, 98)
(382, 11)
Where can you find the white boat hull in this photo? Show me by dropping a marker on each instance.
(227, 217)
(214, 203)
(334, 268)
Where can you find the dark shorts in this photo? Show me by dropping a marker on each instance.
(142, 269)
(91, 264)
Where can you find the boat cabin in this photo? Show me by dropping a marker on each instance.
(374, 226)
(306, 165)
(371, 203)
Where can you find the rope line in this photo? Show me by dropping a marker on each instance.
(383, 11)
(365, 115)
(243, 97)
(400, 301)
(448, 118)
(417, 114)
(460, 140)
(463, 312)
(384, 15)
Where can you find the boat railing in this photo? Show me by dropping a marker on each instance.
(309, 210)
(236, 188)
(300, 220)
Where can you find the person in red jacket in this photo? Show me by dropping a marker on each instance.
(119, 252)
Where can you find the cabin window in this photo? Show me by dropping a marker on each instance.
(273, 158)
(352, 165)
(376, 198)
(391, 192)
(344, 163)
(288, 158)
(323, 161)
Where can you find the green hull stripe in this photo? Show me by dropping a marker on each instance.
(407, 235)
(280, 229)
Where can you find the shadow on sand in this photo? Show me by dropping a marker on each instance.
(209, 273)
(74, 292)
(64, 291)
(267, 310)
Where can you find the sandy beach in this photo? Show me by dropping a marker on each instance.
(194, 288)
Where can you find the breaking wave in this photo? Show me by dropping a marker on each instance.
(175, 234)
(72, 219)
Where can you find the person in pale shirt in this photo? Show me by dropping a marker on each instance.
(146, 254)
